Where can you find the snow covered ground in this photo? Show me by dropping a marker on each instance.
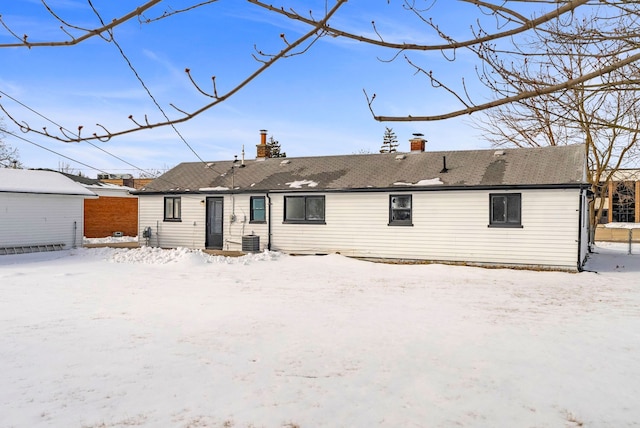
(110, 240)
(155, 338)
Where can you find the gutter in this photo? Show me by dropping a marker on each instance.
(580, 217)
(269, 223)
(93, 195)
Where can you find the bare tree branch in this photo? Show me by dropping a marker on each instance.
(167, 14)
(519, 97)
(601, 112)
(451, 45)
(87, 33)
(286, 51)
(494, 46)
(9, 157)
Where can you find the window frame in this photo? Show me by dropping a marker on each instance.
(177, 203)
(403, 222)
(306, 219)
(506, 223)
(252, 210)
(623, 202)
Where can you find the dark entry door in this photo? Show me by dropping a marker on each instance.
(215, 216)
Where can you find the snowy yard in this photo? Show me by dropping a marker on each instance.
(151, 338)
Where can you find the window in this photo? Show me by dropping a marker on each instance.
(624, 202)
(400, 210)
(604, 218)
(258, 212)
(505, 210)
(304, 209)
(172, 209)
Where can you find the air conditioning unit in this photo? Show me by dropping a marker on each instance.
(251, 243)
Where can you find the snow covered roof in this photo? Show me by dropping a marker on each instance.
(541, 166)
(38, 181)
(95, 184)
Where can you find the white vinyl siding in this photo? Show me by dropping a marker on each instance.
(38, 219)
(450, 226)
(447, 226)
(239, 206)
(190, 232)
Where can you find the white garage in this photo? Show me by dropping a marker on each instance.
(40, 211)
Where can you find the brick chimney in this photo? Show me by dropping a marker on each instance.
(263, 151)
(417, 143)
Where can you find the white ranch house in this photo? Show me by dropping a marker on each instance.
(40, 211)
(512, 207)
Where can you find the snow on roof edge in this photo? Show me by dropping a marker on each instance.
(38, 181)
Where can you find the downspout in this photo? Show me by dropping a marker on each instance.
(269, 223)
(75, 233)
(233, 200)
(580, 221)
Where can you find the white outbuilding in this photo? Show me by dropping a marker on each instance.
(40, 211)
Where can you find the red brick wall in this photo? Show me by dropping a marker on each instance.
(107, 214)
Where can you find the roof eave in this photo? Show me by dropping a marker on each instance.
(575, 185)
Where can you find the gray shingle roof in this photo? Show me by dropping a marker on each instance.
(543, 166)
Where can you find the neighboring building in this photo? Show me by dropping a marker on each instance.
(481, 207)
(622, 198)
(114, 212)
(621, 205)
(40, 211)
(125, 180)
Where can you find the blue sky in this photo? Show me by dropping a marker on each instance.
(313, 104)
